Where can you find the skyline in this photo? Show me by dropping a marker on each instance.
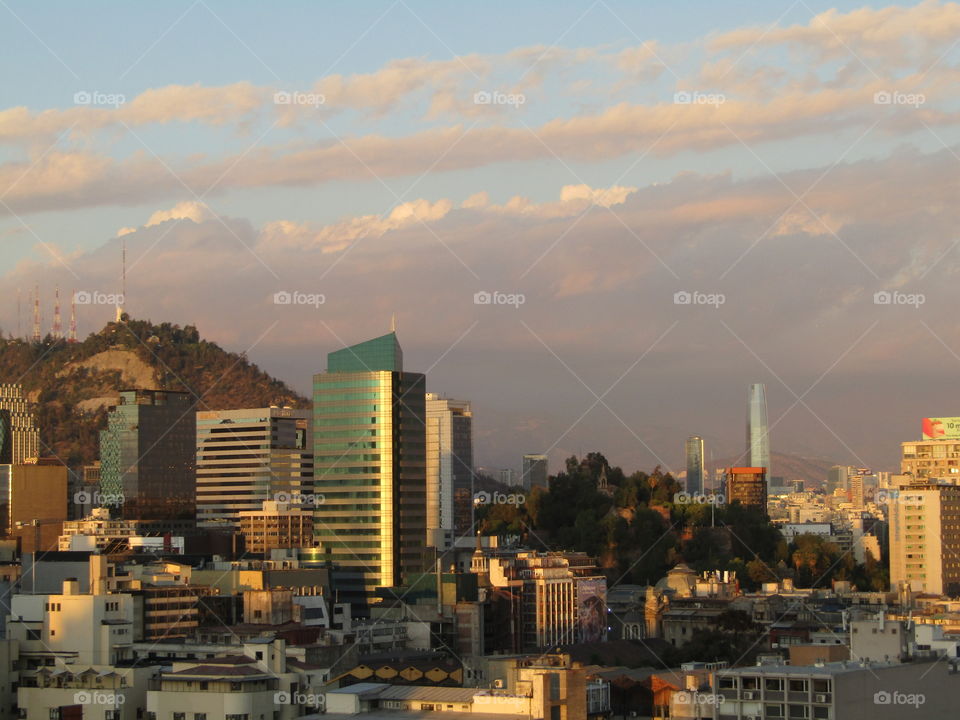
(681, 204)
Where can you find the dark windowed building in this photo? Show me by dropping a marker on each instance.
(148, 455)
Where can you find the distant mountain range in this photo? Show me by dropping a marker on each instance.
(73, 384)
(813, 471)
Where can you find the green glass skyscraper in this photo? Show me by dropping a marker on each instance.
(369, 445)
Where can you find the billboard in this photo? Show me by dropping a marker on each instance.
(592, 609)
(946, 427)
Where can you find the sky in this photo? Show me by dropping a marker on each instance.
(597, 221)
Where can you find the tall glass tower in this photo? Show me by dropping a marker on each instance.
(758, 439)
(369, 448)
(694, 448)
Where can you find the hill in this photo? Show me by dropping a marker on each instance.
(73, 384)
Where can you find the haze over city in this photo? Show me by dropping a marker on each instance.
(594, 159)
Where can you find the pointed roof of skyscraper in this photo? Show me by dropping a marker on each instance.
(380, 353)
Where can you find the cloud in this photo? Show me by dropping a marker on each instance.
(186, 210)
(595, 294)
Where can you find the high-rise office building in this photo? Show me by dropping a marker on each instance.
(148, 455)
(507, 477)
(19, 435)
(748, 486)
(694, 452)
(758, 439)
(246, 457)
(449, 470)
(925, 537)
(534, 471)
(369, 450)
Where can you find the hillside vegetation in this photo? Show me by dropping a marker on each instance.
(73, 384)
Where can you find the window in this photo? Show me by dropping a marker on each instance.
(179, 716)
(798, 686)
(204, 685)
(200, 716)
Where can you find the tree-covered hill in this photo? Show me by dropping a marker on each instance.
(73, 384)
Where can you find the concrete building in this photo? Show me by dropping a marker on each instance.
(925, 538)
(232, 687)
(558, 598)
(449, 470)
(535, 471)
(748, 486)
(836, 691)
(33, 500)
(148, 454)
(369, 445)
(19, 435)
(276, 526)
(71, 627)
(246, 457)
(95, 692)
(98, 531)
(938, 458)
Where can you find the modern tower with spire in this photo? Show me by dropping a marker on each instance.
(369, 445)
(758, 438)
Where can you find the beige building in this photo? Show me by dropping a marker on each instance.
(561, 596)
(931, 458)
(449, 470)
(836, 691)
(98, 531)
(234, 687)
(925, 538)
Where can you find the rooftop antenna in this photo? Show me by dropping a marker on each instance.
(57, 324)
(393, 323)
(19, 316)
(123, 280)
(36, 313)
(73, 318)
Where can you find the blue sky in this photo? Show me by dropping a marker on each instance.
(812, 168)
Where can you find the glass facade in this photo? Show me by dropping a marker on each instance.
(758, 439)
(148, 454)
(245, 457)
(449, 468)
(534, 471)
(369, 447)
(694, 452)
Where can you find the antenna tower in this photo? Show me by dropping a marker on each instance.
(57, 324)
(73, 319)
(36, 313)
